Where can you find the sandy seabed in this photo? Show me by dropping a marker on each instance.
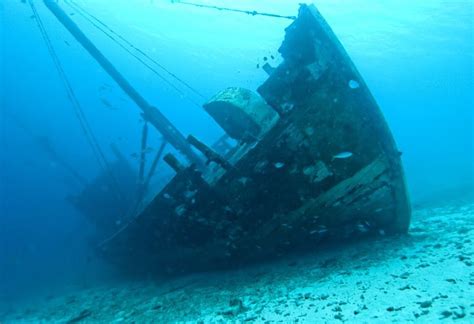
(426, 276)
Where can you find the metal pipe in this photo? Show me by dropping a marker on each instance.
(141, 171)
(173, 163)
(152, 114)
(209, 153)
(157, 159)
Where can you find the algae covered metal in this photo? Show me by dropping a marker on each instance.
(315, 161)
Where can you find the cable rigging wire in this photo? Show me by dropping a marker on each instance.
(109, 32)
(248, 12)
(85, 126)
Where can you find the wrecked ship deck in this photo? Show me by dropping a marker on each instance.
(315, 162)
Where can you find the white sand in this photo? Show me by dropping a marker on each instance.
(426, 276)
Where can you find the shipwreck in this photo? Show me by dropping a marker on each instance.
(314, 161)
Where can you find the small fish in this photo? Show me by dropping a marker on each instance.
(104, 87)
(107, 104)
(279, 165)
(272, 57)
(148, 150)
(134, 155)
(258, 66)
(342, 155)
(321, 230)
(67, 43)
(265, 58)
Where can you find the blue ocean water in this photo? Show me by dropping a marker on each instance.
(416, 57)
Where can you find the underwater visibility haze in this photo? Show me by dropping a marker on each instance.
(202, 161)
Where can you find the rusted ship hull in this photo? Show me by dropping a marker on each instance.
(326, 167)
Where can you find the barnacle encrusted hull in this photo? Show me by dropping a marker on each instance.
(325, 168)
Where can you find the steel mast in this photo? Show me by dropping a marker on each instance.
(170, 133)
